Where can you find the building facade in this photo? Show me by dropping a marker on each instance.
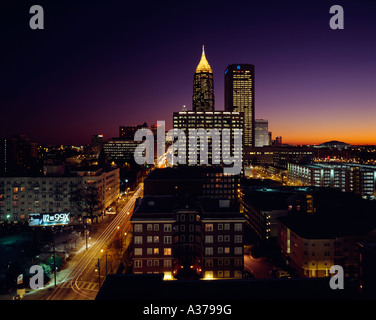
(191, 121)
(360, 179)
(127, 132)
(278, 157)
(261, 133)
(20, 196)
(120, 150)
(207, 182)
(312, 254)
(187, 240)
(240, 97)
(18, 156)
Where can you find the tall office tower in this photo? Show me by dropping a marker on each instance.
(190, 121)
(240, 96)
(18, 156)
(203, 86)
(261, 133)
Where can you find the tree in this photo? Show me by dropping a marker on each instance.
(88, 200)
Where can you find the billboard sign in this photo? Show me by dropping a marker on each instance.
(48, 219)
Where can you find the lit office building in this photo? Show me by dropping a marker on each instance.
(240, 96)
(189, 121)
(360, 179)
(261, 133)
(120, 150)
(128, 132)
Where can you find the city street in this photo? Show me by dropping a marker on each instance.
(260, 267)
(80, 280)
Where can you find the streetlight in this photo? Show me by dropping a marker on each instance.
(106, 260)
(99, 274)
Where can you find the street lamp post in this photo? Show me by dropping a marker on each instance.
(54, 264)
(99, 274)
(105, 260)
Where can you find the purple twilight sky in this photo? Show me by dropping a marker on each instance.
(101, 64)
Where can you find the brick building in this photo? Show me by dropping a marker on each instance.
(187, 239)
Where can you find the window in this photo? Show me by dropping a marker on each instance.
(138, 263)
(238, 262)
(156, 227)
(156, 263)
(237, 227)
(149, 250)
(149, 239)
(156, 239)
(238, 239)
(227, 226)
(138, 240)
(149, 227)
(227, 238)
(167, 263)
(227, 250)
(209, 227)
(167, 251)
(156, 251)
(209, 251)
(220, 226)
(238, 250)
(208, 262)
(167, 228)
(220, 250)
(209, 239)
(167, 239)
(138, 228)
(138, 251)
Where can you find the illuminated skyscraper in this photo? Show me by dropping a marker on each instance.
(240, 97)
(261, 133)
(203, 86)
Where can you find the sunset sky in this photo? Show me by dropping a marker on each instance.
(101, 64)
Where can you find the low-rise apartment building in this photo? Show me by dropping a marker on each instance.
(187, 239)
(21, 196)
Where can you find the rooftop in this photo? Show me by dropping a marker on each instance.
(203, 65)
(152, 288)
(164, 207)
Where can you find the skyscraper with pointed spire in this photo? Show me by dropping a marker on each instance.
(203, 86)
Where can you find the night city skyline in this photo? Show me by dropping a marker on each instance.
(95, 68)
(188, 157)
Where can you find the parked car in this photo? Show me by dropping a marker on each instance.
(279, 273)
